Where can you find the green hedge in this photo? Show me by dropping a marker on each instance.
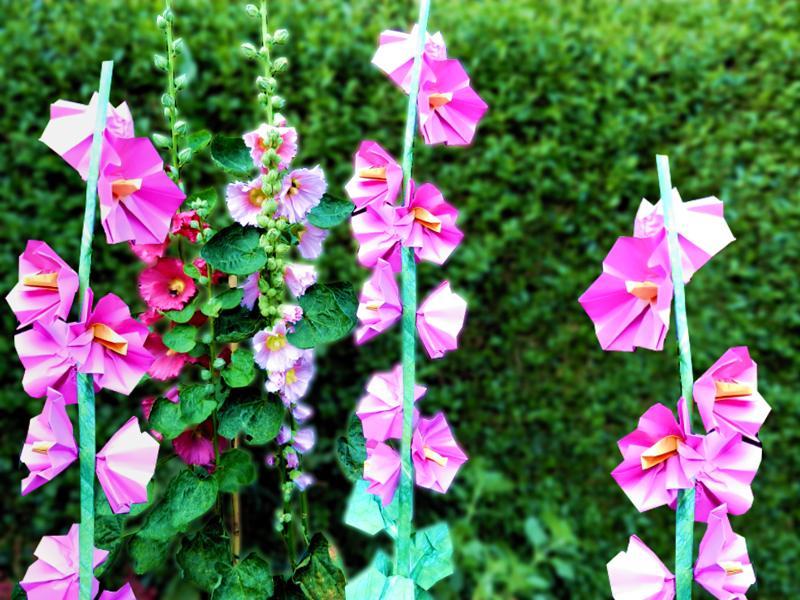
(582, 96)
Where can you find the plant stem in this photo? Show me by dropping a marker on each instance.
(175, 171)
(212, 356)
(287, 532)
(266, 59)
(236, 520)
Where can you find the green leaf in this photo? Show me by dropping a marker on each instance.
(232, 155)
(197, 403)
(235, 250)
(330, 211)
(181, 338)
(351, 450)
(329, 314)
(231, 298)
(238, 324)
(146, 555)
(319, 573)
(190, 495)
(198, 140)
(535, 533)
(183, 315)
(249, 579)
(432, 555)
(166, 418)
(258, 418)
(365, 512)
(236, 470)
(241, 370)
(192, 271)
(199, 556)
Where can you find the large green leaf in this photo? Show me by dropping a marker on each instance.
(319, 573)
(236, 469)
(249, 579)
(351, 450)
(197, 402)
(365, 512)
(199, 556)
(330, 211)
(147, 555)
(329, 314)
(166, 418)
(432, 555)
(190, 495)
(238, 324)
(181, 338)
(183, 315)
(235, 250)
(198, 140)
(258, 418)
(232, 155)
(241, 370)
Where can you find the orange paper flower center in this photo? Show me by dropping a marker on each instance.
(42, 280)
(122, 188)
(434, 456)
(437, 100)
(376, 173)
(42, 446)
(426, 219)
(644, 290)
(731, 389)
(732, 567)
(661, 451)
(107, 337)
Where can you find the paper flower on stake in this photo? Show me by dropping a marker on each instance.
(396, 51)
(50, 444)
(137, 198)
(727, 395)
(311, 240)
(723, 566)
(700, 224)
(440, 318)
(449, 109)
(378, 178)
(272, 351)
(382, 471)
(165, 285)
(433, 233)
(123, 593)
(638, 574)
(71, 128)
(245, 200)
(54, 575)
(379, 304)
(126, 465)
(381, 407)
(436, 455)
(380, 230)
(630, 302)
(302, 190)
(299, 278)
(258, 141)
(46, 286)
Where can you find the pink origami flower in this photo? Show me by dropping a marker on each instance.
(50, 444)
(440, 318)
(396, 51)
(380, 230)
(71, 127)
(187, 224)
(302, 190)
(436, 455)
(245, 200)
(165, 286)
(433, 233)
(378, 178)
(123, 593)
(727, 395)
(293, 383)
(630, 302)
(149, 253)
(379, 304)
(660, 457)
(126, 465)
(449, 109)
(382, 471)
(272, 351)
(702, 230)
(638, 574)
(55, 575)
(381, 407)
(167, 364)
(137, 198)
(299, 278)
(259, 141)
(311, 240)
(723, 566)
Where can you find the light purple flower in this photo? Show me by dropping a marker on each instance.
(293, 383)
(304, 481)
(291, 313)
(302, 412)
(304, 439)
(245, 200)
(250, 290)
(256, 141)
(302, 190)
(436, 455)
(284, 435)
(299, 278)
(292, 460)
(272, 351)
(311, 240)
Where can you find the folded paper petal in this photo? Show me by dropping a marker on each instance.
(435, 453)
(723, 566)
(379, 231)
(123, 593)
(379, 303)
(638, 574)
(440, 318)
(433, 234)
(727, 395)
(382, 471)
(396, 51)
(381, 407)
(377, 179)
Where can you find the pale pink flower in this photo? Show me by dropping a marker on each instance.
(245, 200)
(165, 285)
(639, 574)
(257, 141)
(440, 319)
(379, 304)
(311, 240)
(302, 190)
(436, 455)
(381, 407)
(299, 278)
(377, 179)
(723, 566)
(396, 52)
(382, 471)
(250, 291)
(380, 230)
(293, 383)
(273, 352)
(291, 313)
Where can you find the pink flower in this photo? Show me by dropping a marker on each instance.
(304, 481)
(46, 286)
(640, 574)
(378, 178)
(382, 471)
(449, 109)
(727, 395)
(250, 291)
(50, 444)
(293, 383)
(433, 235)
(167, 364)
(302, 190)
(125, 465)
(203, 268)
(379, 304)
(440, 318)
(165, 286)
(630, 302)
(379, 231)
(182, 225)
(150, 316)
(196, 446)
(258, 142)
(723, 566)
(311, 240)
(291, 313)
(272, 351)
(149, 253)
(396, 51)
(381, 407)
(245, 200)
(55, 575)
(304, 440)
(299, 278)
(436, 455)
(137, 198)
(123, 593)
(301, 412)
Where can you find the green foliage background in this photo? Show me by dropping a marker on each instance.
(582, 96)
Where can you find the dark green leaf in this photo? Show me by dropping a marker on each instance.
(319, 572)
(166, 418)
(181, 338)
(238, 324)
(197, 403)
(190, 495)
(147, 555)
(250, 579)
(232, 155)
(329, 314)
(241, 370)
(198, 140)
(235, 250)
(258, 418)
(351, 450)
(236, 469)
(181, 316)
(199, 556)
(330, 212)
(230, 298)
(432, 555)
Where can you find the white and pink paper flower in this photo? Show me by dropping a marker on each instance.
(377, 179)
(638, 574)
(381, 407)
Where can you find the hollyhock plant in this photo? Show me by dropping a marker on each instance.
(629, 303)
(311, 240)
(50, 444)
(436, 455)
(293, 383)
(382, 471)
(379, 304)
(638, 574)
(723, 566)
(440, 318)
(195, 446)
(245, 201)
(258, 142)
(299, 277)
(377, 179)
(395, 55)
(433, 233)
(165, 285)
(381, 407)
(149, 253)
(188, 224)
(380, 230)
(301, 191)
(167, 363)
(46, 287)
(272, 351)
(727, 395)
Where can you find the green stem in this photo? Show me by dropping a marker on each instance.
(409, 300)
(86, 415)
(212, 356)
(175, 171)
(287, 529)
(266, 59)
(684, 515)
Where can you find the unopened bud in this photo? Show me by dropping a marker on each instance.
(280, 64)
(252, 11)
(281, 36)
(248, 50)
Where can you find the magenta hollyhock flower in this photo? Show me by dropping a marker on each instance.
(378, 178)
(639, 573)
(46, 286)
(660, 457)
(250, 291)
(293, 383)
(272, 351)
(379, 304)
(302, 190)
(149, 253)
(195, 446)
(310, 242)
(436, 455)
(55, 574)
(723, 566)
(165, 286)
(629, 303)
(381, 407)
(258, 142)
(396, 52)
(203, 268)
(150, 316)
(433, 235)
(167, 364)
(123, 593)
(727, 395)
(49, 445)
(299, 278)
(382, 471)
(380, 230)
(71, 128)
(440, 319)
(449, 109)
(245, 200)
(125, 465)
(182, 225)
(137, 198)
